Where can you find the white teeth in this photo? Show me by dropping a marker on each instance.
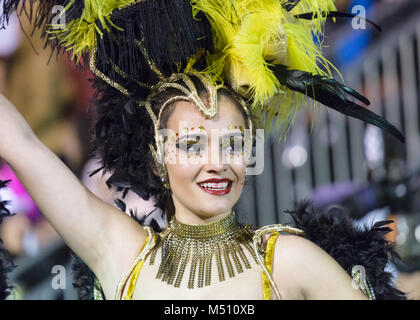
(217, 186)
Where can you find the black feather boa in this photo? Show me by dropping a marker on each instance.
(83, 278)
(335, 232)
(6, 262)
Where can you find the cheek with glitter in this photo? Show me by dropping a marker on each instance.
(232, 127)
(170, 154)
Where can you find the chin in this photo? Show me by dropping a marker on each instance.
(211, 205)
(213, 209)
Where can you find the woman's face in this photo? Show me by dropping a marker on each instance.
(208, 173)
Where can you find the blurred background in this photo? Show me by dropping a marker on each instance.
(326, 158)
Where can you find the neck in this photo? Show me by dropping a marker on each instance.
(195, 219)
(184, 215)
(222, 227)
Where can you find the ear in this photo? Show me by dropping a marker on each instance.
(154, 169)
(153, 164)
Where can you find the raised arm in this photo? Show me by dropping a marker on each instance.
(105, 238)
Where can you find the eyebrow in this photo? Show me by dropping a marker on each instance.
(192, 135)
(230, 134)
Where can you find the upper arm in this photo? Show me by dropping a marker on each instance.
(105, 238)
(306, 268)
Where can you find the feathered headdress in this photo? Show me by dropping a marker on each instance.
(267, 51)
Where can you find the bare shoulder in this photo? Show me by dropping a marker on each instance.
(306, 271)
(294, 246)
(294, 255)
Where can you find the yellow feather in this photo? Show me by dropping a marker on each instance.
(81, 35)
(248, 33)
(247, 52)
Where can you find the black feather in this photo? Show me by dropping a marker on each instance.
(120, 204)
(83, 278)
(331, 93)
(167, 30)
(380, 224)
(290, 4)
(41, 14)
(95, 171)
(6, 262)
(334, 14)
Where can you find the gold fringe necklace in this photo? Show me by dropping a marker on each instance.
(196, 245)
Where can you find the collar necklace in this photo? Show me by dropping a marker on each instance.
(198, 246)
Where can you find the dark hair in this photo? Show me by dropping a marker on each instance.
(122, 133)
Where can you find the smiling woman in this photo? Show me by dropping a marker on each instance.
(211, 188)
(181, 88)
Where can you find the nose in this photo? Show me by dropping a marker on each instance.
(215, 168)
(215, 162)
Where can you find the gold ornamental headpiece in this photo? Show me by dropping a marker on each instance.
(187, 91)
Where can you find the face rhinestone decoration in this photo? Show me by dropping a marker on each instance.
(197, 246)
(188, 92)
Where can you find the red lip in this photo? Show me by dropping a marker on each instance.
(216, 192)
(215, 180)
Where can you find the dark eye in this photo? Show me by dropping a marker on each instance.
(190, 146)
(233, 145)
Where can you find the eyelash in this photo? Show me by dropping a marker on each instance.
(231, 143)
(187, 147)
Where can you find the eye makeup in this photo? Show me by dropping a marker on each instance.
(192, 143)
(201, 129)
(234, 144)
(196, 144)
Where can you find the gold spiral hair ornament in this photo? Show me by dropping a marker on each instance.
(188, 92)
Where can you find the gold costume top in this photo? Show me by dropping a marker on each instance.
(220, 234)
(128, 282)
